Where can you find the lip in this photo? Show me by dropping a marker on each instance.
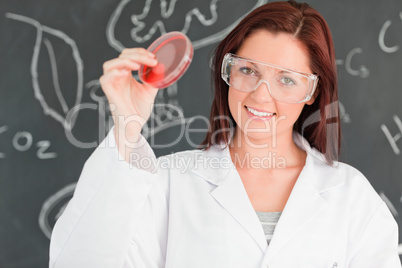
(258, 110)
(255, 117)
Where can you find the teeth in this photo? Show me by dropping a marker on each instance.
(254, 112)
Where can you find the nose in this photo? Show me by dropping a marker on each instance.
(262, 92)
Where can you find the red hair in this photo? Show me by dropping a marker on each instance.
(318, 123)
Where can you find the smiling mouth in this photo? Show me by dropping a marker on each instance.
(259, 114)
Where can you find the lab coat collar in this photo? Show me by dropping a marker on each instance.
(304, 203)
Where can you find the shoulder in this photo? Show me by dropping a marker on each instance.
(346, 185)
(339, 179)
(183, 156)
(212, 165)
(354, 179)
(183, 161)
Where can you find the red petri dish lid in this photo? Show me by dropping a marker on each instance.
(174, 53)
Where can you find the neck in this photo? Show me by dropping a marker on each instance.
(272, 152)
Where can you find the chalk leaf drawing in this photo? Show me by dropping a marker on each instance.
(41, 42)
(158, 26)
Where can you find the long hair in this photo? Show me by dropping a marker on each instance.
(318, 123)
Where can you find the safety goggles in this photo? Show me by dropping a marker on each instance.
(285, 85)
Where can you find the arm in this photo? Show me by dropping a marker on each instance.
(378, 244)
(117, 217)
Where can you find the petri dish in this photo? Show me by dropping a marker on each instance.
(174, 53)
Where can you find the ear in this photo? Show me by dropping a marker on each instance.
(310, 101)
(313, 98)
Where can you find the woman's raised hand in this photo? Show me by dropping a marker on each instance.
(131, 101)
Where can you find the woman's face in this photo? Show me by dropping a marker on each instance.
(280, 49)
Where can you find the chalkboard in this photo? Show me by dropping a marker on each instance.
(53, 112)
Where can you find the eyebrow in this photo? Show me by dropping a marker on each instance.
(282, 70)
(255, 65)
(285, 72)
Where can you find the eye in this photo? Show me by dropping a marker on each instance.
(287, 81)
(247, 71)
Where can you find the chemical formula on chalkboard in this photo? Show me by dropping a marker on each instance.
(23, 141)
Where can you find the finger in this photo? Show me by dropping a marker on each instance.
(140, 58)
(137, 50)
(114, 74)
(119, 63)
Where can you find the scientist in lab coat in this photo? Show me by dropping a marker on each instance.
(265, 190)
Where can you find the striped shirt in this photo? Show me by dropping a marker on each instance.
(268, 221)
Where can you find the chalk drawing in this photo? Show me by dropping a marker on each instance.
(104, 118)
(57, 201)
(393, 139)
(162, 117)
(48, 110)
(159, 27)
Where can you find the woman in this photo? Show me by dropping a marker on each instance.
(275, 83)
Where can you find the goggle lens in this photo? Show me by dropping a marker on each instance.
(284, 84)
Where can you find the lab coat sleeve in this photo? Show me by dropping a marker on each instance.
(117, 216)
(378, 244)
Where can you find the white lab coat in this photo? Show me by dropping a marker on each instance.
(200, 216)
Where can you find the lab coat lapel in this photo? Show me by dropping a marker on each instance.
(231, 194)
(303, 204)
(306, 200)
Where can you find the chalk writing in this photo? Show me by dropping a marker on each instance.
(43, 146)
(22, 141)
(381, 37)
(361, 71)
(21, 136)
(393, 139)
(47, 108)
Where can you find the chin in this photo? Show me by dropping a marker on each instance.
(259, 138)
